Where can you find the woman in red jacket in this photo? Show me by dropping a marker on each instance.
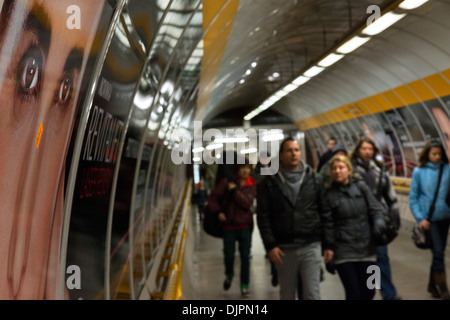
(232, 200)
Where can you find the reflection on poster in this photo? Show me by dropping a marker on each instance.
(45, 49)
(439, 109)
(400, 134)
(100, 154)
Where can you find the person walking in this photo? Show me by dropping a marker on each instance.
(433, 162)
(231, 200)
(364, 160)
(358, 221)
(295, 223)
(327, 155)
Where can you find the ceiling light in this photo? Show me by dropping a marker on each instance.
(383, 23)
(330, 60)
(300, 80)
(252, 114)
(290, 87)
(273, 99)
(313, 71)
(352, 44)
(281, 94)
(411, 4)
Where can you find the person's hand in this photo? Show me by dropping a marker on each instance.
(276, 256)
(327, 255)
(379, 230)
(379, 226)
(231, 185)
(424, 225)
(222, 217)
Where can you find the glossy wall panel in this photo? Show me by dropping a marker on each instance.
(89, 96)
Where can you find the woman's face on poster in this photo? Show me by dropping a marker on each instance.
(444, 124)
(41, 61)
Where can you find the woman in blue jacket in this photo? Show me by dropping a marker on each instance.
(422, 189)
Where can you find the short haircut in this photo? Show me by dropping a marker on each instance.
(284, 142)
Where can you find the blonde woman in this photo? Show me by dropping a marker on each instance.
(358, 219)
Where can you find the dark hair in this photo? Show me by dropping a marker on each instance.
(424, 155)
(245, 164)
(332, 138)
(284, 141)
(355, 153)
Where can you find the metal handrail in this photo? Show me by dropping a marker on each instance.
(172, 289)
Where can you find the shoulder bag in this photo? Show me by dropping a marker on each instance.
(390, 233)
(391, 228)
(422, 238)
(211, 222)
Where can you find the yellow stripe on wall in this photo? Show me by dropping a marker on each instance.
(215, 42)
(426, 89)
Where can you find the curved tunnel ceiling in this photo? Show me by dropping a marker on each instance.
(282, 39)
(279, 38)
(394, 63)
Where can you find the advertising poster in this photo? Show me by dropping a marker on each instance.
(100, 154)
(45, 57)
(412, 137)
(440, 113)
(401, 138)
(345, 135)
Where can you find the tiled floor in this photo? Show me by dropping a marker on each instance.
(203, 272)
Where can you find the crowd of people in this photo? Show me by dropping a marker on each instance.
(340, 215)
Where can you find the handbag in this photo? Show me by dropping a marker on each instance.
(422, 238)
(211, 224)
(390, 233)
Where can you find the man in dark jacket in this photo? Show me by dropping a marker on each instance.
(331, 144)
(295, 223)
